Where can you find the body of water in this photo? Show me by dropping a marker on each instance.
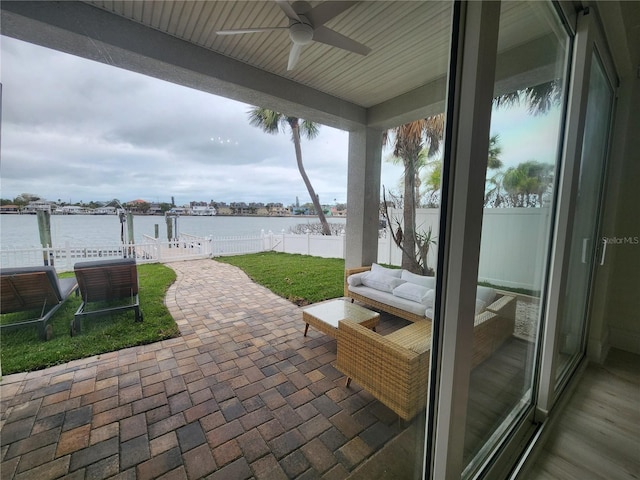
(21, 231)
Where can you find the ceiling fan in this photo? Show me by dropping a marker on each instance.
(306, 24)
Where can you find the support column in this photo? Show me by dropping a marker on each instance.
(363, 196)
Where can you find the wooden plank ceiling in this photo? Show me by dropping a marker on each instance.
(409, 42)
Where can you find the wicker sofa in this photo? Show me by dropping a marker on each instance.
(412, 310)
(364, 294)
(395, 368)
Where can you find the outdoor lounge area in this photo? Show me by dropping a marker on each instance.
(241, 394)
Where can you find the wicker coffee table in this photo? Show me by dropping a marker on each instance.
(324, 316)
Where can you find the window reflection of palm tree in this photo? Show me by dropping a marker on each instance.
(409, 141)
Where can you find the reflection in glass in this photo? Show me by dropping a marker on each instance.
(583, 241)
(522, 162)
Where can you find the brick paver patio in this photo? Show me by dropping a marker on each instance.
(241, 394)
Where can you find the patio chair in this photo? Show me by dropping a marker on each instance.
(108, 282)
(33, 288)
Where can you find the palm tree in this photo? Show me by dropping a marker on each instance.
(408, 141)
(271, 122)
(493, 182)
(495, 150)
(421, 162)
(433, 175)
(528, 182)
(432, 180)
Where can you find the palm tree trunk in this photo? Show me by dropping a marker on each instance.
(409, 217)
(295, 131)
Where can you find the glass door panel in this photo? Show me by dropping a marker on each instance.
(523, 157)
(584, 239)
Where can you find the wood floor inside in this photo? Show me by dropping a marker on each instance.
(598, 435)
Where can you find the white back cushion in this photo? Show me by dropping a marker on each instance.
(392, 272)
(424, 281)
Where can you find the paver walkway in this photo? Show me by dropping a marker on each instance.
(241, 394)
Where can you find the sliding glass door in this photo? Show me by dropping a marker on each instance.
(584, 238)
(504, 166)
(522, 165)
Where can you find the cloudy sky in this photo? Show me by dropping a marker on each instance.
(73, 129)
(78, 130)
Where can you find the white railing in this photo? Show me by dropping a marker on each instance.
(184, 247)
(224, 246)
(152, 250)
(513, 242)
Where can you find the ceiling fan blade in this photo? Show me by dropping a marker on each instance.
(294, 55)
(321, 14)
(288, 10)
(335, 39)
(249, 30)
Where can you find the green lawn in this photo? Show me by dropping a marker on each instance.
(23, 350)
(301, 279)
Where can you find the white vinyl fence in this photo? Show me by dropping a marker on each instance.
(513, 242)
(316, 245)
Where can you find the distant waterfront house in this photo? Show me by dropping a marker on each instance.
(300, 211)
(37, 205)
(179, 211)
(224, 209)
(9, 209)
(203, 211)
(155, 209)
(75, 210)
(241, 208)
(104, 211)
(138, 206)
(277, 210)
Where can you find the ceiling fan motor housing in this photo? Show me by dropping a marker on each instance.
(301, 33)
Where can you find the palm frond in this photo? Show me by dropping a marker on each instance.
(539, 99)
(510, 99)
(309, 130)
(495, 150)
(267, 120)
